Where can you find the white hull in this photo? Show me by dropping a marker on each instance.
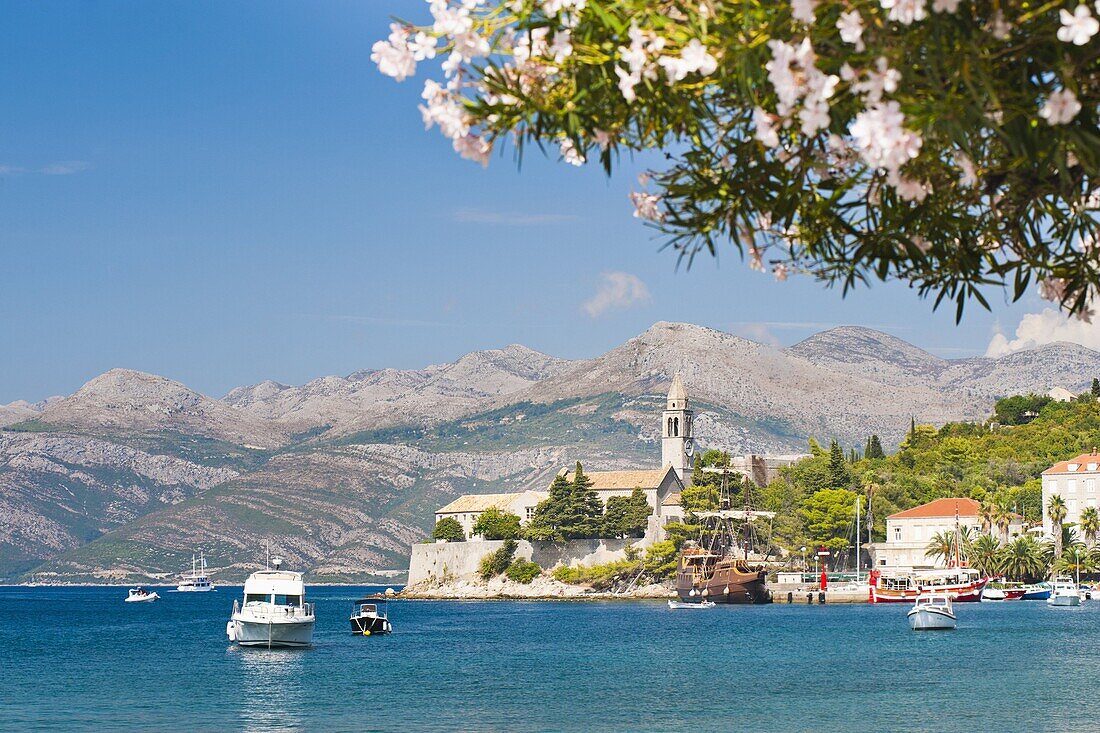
(675, 605)
(924, 618)
(142, 599)
(194, 588)
(1064, 600)
(296, 632)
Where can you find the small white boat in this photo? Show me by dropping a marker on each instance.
(140, 595)
(676, 605)
(993, 594)
(197, 580)
(274, 612)
(932, 613)
(1064, 592)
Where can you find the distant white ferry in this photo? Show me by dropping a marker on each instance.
(196, 580)
(274, 613)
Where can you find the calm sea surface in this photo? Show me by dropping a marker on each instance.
(80, 658)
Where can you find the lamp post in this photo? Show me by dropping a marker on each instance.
(804, 560)
(1077, 563)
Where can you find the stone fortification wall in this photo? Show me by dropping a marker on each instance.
(453, 560)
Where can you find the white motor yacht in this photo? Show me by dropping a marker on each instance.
(1064, 592)
(681, 605)
(140, 595)
(274, 612)
(196, 580)
(932, 613)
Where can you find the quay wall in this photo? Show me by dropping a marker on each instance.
(451, 560)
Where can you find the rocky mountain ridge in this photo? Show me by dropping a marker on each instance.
(127, 476)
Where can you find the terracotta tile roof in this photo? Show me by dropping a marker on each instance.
(1082, 462)
(478, 503)
(673, 499)
(941, 508)
(623, 480)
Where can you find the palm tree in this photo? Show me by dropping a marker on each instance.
(1022, 559)
(941, 547)
(1090, 525)
(984, 554)
(1056, 510)
(1003, 520)
(987, 513)
(1075, 559)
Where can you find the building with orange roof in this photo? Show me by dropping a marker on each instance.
(908, 532)
(1075, 480)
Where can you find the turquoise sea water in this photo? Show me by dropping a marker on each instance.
(81, 659)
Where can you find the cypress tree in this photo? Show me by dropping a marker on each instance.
(1096, 387)
(838, 468)
(874, 448)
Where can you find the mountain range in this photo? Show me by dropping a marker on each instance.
(123, 479)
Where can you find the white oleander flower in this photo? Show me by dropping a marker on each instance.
(803, 11)
(910, 190)
(1078, 27)
(647, 206)
(850, 26)
(393, 56)
(905, 12)
(765, 129)
(473, 148)
(881, 138)
(562, 47)
(1060, 108)
(969, 176)
(570, 154)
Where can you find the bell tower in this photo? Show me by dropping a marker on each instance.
(677, 446)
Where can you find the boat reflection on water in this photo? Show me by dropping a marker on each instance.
(270, 685)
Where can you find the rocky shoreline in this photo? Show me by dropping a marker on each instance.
(542, 588)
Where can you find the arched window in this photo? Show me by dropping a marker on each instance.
(669, 431)
(676, 427)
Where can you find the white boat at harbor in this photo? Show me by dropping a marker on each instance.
(680, 605)
(196, 581)
(992, 594)
(274, 612)
(1064, 592)
(140, 595)
(932, 613)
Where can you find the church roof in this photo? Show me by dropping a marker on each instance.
(624, 480)
(677, 392)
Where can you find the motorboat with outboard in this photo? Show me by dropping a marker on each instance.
(680, 605)
(1064, 592)
(370, 616)
(197, 580)
(141, 595)
(274, 612)
(932, 613)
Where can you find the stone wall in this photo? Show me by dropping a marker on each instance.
(452, 560)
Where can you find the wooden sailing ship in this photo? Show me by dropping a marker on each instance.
(717, 567)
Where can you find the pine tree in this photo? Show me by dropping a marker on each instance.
(585, 510)
(1096, 388)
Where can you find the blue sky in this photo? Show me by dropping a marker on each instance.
(225, 192)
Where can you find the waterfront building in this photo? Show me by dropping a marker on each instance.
(467, 508)
(909, 532)
(1075, 480)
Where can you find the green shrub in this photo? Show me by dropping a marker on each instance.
(660, 560)
(493, 524)
(600, 577)
(448, 529)
(523, 571)
(497, 562)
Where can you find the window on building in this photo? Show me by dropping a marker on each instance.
(1092, 467)
(1071, 506)
(897, 534)
(1071, 486)
(1073, 466)
(882, 561)
(530, 512)
(1091, 501)
(1090, 485)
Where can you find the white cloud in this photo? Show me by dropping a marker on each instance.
(65, 167)
(617, 290)
(1045, 327)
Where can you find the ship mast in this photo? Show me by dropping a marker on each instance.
(957, 563)
(857, 539)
